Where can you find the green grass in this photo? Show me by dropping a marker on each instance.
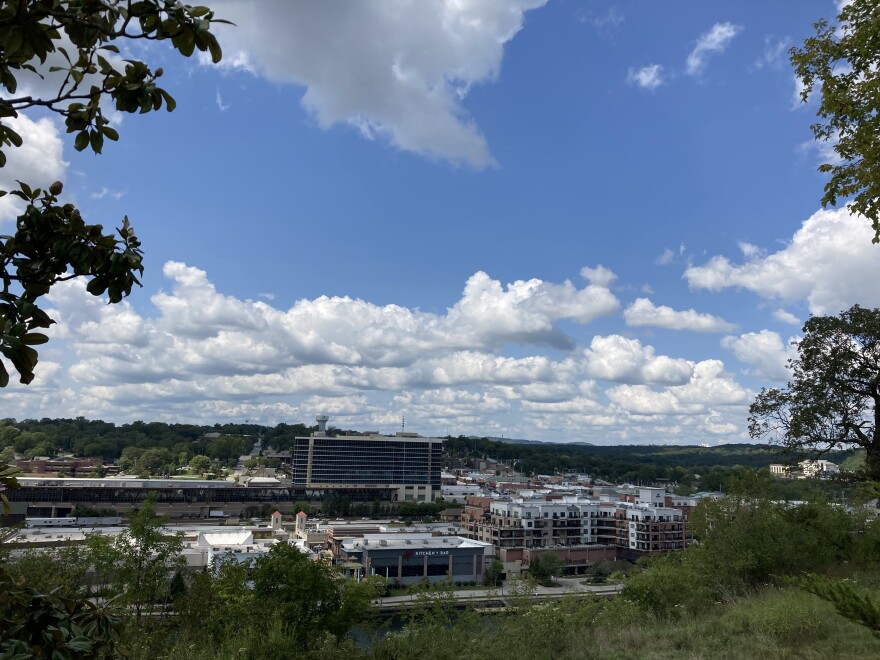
(777, 623)
(774, 623)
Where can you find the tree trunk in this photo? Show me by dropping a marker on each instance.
(872, 460)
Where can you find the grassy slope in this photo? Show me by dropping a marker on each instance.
(774, 623)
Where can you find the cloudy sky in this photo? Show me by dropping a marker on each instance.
(560, 220)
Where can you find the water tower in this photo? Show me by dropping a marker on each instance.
(322, 424)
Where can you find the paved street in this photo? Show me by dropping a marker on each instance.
(566, 585)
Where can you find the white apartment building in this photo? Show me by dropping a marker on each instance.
(818, 468)
(639, 521)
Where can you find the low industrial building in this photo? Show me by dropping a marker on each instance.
(203, 545)
(69, 465)
(412, 558)
(53, 497)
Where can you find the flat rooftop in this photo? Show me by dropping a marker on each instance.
(44, 535)
(411, 542)
(110, 482)
(374, 437)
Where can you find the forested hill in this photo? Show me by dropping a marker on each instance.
(642, 463)
(107, 441)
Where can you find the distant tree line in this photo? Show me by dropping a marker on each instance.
(159, 448)
(107, 441)
(706, 467)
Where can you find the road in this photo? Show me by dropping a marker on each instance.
(566, 586)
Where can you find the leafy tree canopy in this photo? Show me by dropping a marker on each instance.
(200, 464)
(71, 45)
(833, 398)
(144, 555)
(842, 63)
(37, 625)
(305, 594)
(545, 567)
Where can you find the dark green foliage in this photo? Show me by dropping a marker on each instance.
(420, 510)
(177, 586)
(38, 625)
(61, 571)
(32, 32)
(52, 242)
(128, 442)
(697, 468)
(86, 511)
(282, 436)
(671, 587)
(228, 447)
(743, 542)
(335, 505)
(545, 567)
(771, 624)
(742, 545)
(303, 507)
(611, 568)
(842, 65)
(147, 556)
(494, 572)
(155, 461)
(7, 480)
(848, 600)
(200, 464)
(692, 468)
(833, 397)
(218, 603)
(302, 594)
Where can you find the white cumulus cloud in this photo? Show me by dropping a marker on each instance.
(393, 70)
(785, 316)
(764, 351)
(830, 263)
(624, 360)
(38, 161)
(644, 313)
(495, 363)
(600, 276)
(642, 400)
(709, 392)
(202, 332)
(527, 309)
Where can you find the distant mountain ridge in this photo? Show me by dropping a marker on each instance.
(513, 441)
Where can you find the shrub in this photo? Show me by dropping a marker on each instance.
(669, 587)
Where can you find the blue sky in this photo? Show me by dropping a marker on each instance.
(592, 221)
